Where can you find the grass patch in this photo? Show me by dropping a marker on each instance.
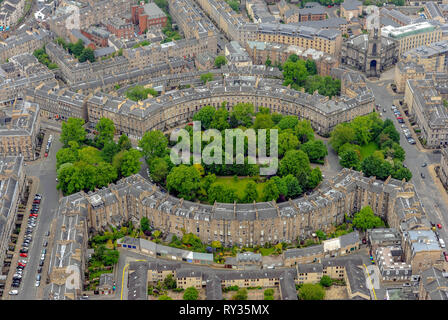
(240, 185)
(267, 251)
(368, 149)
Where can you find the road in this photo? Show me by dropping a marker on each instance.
(45, 171)
(426, 189)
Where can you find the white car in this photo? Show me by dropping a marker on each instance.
(37, 283)
(42, 257)
(14, 292)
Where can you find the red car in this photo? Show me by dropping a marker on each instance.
(46, 154)
(33, 215)
(446, 256)
(23, 255)
(22, 264)
(36, 201)
(439, 226)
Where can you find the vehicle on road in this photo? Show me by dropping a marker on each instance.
(424, 164)
(442, 243)
(41, 263)
(24, 255)
(13, 292)
(439, 226)
(422, 175)
(39, 270)
(37, 283)
(45, 243)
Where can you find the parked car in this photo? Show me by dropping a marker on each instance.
(424, 164)
(24, 255)
(422, 175)
(39, 270)
(439, 226)
(14, 292)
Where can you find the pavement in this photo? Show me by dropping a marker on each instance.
(44, 172)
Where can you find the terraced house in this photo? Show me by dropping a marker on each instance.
(19, 126)
(255, 224)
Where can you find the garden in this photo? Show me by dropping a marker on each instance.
(372, 145)
(241, 183)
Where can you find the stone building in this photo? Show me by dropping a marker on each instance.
(147, 16)
(425, 101)
(413, 36)
(12, 182)
(68, 256)
(251, 224)
(433, 284)
(19, 127)
(370, 53)
(174, 108)
(443, 168)
(421, 249)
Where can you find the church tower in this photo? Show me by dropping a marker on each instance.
(373, 59)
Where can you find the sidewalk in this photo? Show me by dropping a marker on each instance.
(411, 129)
(438, 184)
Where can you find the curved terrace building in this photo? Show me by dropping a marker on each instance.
(177, 107)
(249, 224)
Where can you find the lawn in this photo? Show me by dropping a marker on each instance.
(240, 185)
(267, 251)
(368, 149)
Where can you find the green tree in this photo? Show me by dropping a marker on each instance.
(309, 291)
(159, 169)
(343, 133)
(366, 219)
(311, 67)
(191, 293)
(220, 61)
(205, 116)
(295, 162)
(304, 131)
(144, 224)
(314, 178)
(263, 121)
(373, 165)
(294, 74)
(220, 119)
(130, 163)
(72, 130)
(288, 122)
(124, 142)
(268, 62)
(326, 281)
(106, 131)
(90, 155)
(250, 192)
(66, 155)
(292, 185)
(153, 144)
(184, 181)
(241, 115)
(87, 54)
(221, 193)
(241, 294)
(109, 150)
(105, 174)
(401, 172)
(287, 141)
(206, 77)
(349, 159)
(270, 191)
(169, 282)
(269, 294)
(315, 149)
